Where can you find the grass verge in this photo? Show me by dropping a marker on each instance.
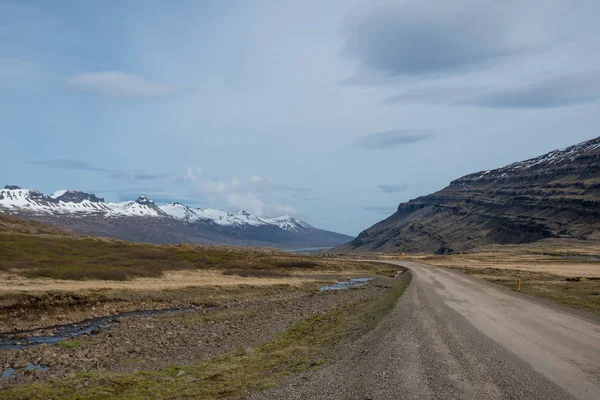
(301, 347)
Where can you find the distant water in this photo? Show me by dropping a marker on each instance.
(306, 249)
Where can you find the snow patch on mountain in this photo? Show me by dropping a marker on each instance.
(553, 159)
(219, 217)
(58, 193)
(78, 203)
(288, 223)
(72, 202)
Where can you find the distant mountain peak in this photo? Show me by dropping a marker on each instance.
(289, 223)
(75, 196)
(144, 200)
(12, 187)
(143, 220)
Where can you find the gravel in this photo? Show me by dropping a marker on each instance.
(159, 341)
(457, 337)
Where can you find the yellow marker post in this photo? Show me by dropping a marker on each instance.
(403, 255)
(519, 286)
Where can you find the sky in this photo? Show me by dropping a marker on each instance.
(333, 112)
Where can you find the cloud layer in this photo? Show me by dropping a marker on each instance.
(119, 84)
(393, 188)
(80, 165)
(73, 165)
(392, 139)
(431, 38)
(561, 91)
(556, 91)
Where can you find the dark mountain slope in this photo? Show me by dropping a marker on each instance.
(554, 195)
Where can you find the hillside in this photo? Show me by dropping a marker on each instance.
(144, 221)
(554, 195)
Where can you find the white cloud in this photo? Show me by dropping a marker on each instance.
(119, 84)
(254, 205)
(242, 193)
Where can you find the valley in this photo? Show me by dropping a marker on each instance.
(207, 312)
(477, 291)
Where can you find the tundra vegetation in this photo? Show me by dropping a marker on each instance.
(50, 277)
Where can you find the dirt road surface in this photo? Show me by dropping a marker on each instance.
(452, 336)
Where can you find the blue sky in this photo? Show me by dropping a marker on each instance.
(331, 111)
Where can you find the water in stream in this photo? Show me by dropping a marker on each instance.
(20, 340)
(8, 372)
(352, 283)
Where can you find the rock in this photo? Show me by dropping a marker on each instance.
(70, 375)
(180, 373)
(249, 351)
(20, 364)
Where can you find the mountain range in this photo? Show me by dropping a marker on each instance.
(556, 195)
(144, 221)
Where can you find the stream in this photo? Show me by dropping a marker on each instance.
(352, 283)
(20, 340)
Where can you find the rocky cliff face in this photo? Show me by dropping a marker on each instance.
(554, 195)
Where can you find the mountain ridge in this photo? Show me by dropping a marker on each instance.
(143, 220)
(554, 195)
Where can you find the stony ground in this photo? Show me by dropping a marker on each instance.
(452, 336)
(156, 342)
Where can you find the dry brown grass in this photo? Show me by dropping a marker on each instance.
(565, 258)
(170, 280)
(564, 271)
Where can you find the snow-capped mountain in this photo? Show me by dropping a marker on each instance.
(13, 198)
(143, 220)
(289, 223)
(220, 217)
(569, 157)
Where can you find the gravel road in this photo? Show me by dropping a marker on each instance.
(452, 336)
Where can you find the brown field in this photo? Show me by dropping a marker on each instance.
(48, 276)
(251, 316)
(564, 271)
(566, 258)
